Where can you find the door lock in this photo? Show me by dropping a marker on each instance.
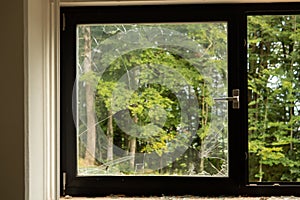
(235, 99)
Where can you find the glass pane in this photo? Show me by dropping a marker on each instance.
(144, 99)
(273, 98)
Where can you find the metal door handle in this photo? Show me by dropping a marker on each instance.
(235, 99)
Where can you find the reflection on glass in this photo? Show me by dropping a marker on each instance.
(144, 99)
(273, 98)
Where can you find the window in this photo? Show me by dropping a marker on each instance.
(159, 104)
(153, 87)
(273, 98)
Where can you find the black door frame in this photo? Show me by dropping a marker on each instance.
(237, 183)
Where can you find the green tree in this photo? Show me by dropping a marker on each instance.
(273, 93)
(154, 106)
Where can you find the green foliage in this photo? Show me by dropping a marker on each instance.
(273, 97)
(128, 82)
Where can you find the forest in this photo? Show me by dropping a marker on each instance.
(273, 98)
(145, 99)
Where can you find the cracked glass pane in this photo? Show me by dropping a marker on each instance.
(144, 99)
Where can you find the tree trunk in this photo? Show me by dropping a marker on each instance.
(292, 111)
(90, 112)
(260, 172)
(110, 136)
(203, 124)
(132, 146)
(201, 167)
(132, 149)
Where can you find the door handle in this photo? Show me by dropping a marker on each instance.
(235, 99)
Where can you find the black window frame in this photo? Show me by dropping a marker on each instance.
(237, 182)
(278, 188)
